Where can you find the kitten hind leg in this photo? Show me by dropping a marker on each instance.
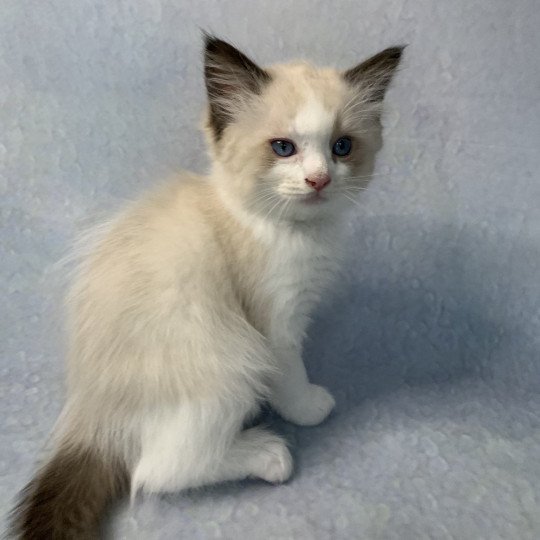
(194, 446)
(258, 453)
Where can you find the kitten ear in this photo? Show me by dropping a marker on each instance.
(231, 78)
(374, 74)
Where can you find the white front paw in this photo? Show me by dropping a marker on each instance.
(309, 408)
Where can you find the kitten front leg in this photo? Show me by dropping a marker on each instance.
(293, 396)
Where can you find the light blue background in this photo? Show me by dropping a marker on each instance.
(431, 348)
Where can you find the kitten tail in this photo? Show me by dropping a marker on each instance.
(68, 496)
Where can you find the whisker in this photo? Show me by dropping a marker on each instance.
(352, 189)
(365, 176)
(272, 209)
(263, 200)
(282, 212)
(263, 196)
(352, 200)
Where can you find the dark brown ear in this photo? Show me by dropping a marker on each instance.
(376, 73)
(230, 77)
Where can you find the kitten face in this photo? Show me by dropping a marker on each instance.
(295, 142)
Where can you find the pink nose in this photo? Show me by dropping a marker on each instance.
(318, 182)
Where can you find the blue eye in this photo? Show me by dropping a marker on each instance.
(342, 147)
(283, 148)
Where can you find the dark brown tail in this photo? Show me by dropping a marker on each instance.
(67, 498)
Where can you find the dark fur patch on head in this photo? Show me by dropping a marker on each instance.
(67, 498)
(376, 72)
(230, 76)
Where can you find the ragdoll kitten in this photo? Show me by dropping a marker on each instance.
(192, 309)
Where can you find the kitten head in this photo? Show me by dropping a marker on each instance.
(293, 142)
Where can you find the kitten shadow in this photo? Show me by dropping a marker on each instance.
(435, 313)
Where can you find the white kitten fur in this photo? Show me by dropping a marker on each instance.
(193, 306)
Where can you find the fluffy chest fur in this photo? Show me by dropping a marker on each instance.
(298, 266)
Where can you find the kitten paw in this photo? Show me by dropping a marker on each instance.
(310, 408)
(274, 463)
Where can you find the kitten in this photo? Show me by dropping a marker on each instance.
(192, 309)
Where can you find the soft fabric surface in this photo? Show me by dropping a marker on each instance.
(432, 344)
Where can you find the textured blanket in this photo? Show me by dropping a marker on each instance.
(432, 343)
